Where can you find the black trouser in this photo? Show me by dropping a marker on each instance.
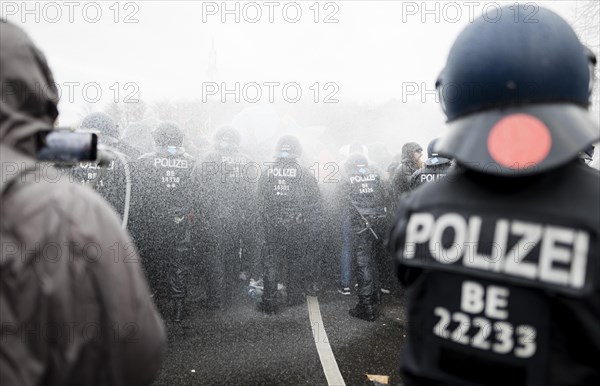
(224, 264)
(167, 252)
(179, 259)
(285, 259)
(365, 248)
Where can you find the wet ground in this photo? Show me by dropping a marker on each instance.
(241, 346)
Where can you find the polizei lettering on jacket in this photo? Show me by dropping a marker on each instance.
(370, 177)
(171, 163)
(283, 172)
(537, 253)
(429, 177)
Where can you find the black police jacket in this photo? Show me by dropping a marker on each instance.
(228, 182)
(502, 278)
(165, 186)
(431, 172)
(287, 190)
(363, 192)
(109, 181)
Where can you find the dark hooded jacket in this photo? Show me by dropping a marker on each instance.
(74, 304)
(401, 181)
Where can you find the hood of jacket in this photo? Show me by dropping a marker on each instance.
(408, 149)
(28, 103)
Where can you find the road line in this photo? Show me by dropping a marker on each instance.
(330, 366)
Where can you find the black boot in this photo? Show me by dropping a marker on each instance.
(363, 311)
(267, 307)
(178, 310)
(377, 297)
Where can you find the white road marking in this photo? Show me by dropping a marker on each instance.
(330, 366)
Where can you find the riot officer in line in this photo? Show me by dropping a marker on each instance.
(436, 167)
(363, 197)
(346, 271)
(501, 260)
(228, 184)
(113, 179)
(164, 207)
(288, 200)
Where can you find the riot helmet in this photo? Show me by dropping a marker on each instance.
(357, 162)
(587, 155)
(168, 134)
(516, 93)
(226, 139)
(288, 146)
(433, 158)
(356, 147)
(103, 124)
(431, 150)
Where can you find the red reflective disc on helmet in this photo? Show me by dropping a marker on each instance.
(519, 141)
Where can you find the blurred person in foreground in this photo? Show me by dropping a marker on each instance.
(501, 257)
(73, 310)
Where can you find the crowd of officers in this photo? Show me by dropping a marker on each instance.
(223, 221)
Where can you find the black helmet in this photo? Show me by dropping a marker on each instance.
(357, 160)
(356, 147)
(101, 122)
(226, 138)
(588, 154)
(431, 150)
(433, 158)
(516, 93)
(168, 134)
(288, 146)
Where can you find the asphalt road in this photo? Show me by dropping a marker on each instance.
(241, 346)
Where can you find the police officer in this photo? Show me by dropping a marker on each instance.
(228, 185)
(164, 203)
(289, 199)
(111, 178)
(363, 196)
(501, 260)
(436, 167)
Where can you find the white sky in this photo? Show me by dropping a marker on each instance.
(374, 48)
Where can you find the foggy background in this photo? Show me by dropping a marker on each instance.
(366, 69)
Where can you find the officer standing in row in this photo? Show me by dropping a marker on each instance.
(164, 203)
(228, 189)
(436, 167)
(113, 180)
(501, 260)
(288, 198)
(363, 198)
